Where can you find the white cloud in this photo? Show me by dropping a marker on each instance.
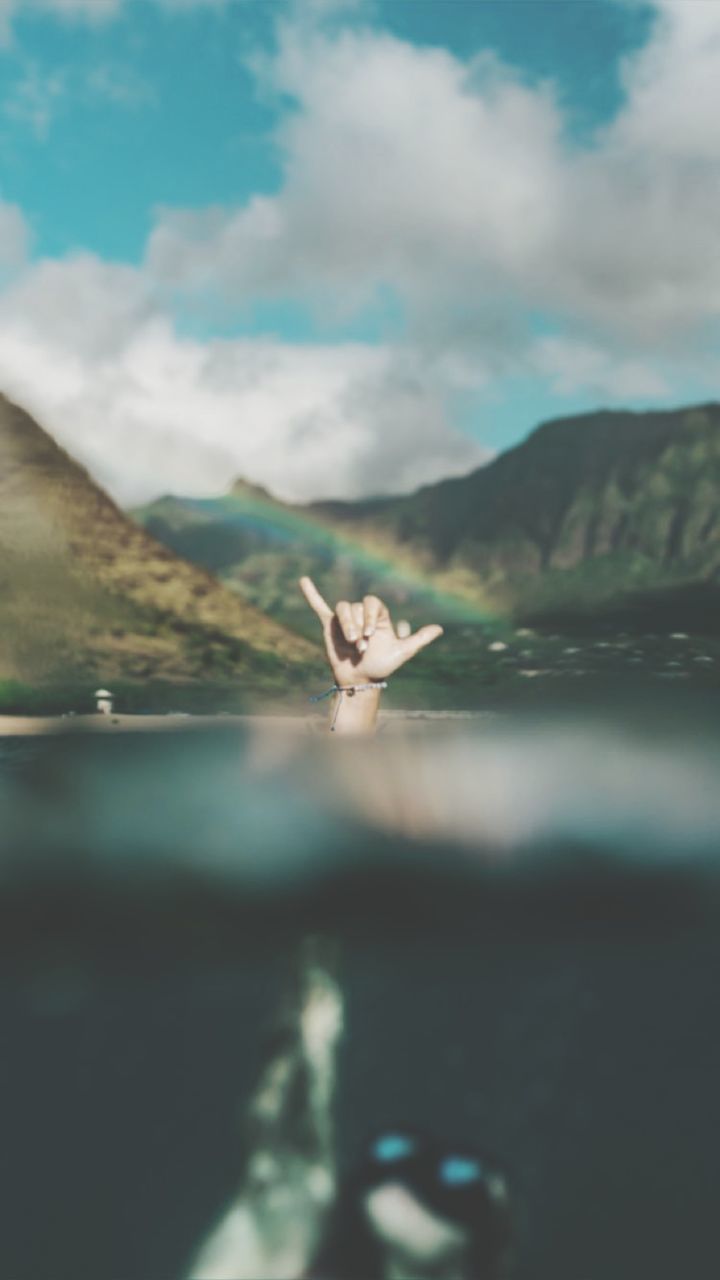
(93, 11)
(34, 98)
(402, 166)
(572, 365)
(83, 345)
(39, 92)
(97, 10)
(14, 237)
(88, 10)
(451, 184)
(673, 85)
(637, 248)
(454, 184)
(120, 85)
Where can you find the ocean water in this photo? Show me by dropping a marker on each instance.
(522, 923)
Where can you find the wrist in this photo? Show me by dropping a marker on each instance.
(355, 707)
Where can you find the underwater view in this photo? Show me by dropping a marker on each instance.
(437, 1003)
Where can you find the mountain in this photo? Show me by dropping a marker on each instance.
(87, 593)
(586, 509)
(260, 547)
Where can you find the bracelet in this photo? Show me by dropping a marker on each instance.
(350, 690)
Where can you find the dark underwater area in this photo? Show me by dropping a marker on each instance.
(525, 912)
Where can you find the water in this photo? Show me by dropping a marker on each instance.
(524, 928)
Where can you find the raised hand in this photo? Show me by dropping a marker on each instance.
(362, 644)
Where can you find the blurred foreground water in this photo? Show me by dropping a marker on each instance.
(521, 918)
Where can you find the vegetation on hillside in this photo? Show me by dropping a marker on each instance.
(592, 548)
(89, 596)
(585, 510)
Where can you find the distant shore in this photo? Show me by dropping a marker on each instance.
(21, 726)
(32, 726)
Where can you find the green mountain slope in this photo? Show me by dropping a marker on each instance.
(636, 496)
(87, 593)
(584, 510)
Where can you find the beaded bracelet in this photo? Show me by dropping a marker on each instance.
(350, 690)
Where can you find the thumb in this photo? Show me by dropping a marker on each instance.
(420, 640)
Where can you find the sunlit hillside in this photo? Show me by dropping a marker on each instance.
(88, 594)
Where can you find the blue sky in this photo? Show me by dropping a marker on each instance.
(344, 247)
(178, 119)
(185, 126)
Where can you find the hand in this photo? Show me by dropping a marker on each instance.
(361, 642)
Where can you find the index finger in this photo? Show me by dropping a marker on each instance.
(317, 603)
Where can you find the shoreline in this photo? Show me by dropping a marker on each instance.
(34, 726)
(44, 726)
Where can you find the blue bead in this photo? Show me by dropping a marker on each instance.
(393, 1146)
(458, 1171)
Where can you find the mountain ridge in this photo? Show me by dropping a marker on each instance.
(592, 504)
(84, 587)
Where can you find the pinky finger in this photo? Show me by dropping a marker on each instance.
(420, 640)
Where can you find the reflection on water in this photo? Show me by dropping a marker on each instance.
(224, 806)
(521, 935)
(274, 1226)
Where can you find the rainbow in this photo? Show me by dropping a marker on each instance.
(288, 525)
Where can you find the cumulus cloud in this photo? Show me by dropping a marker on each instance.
(403, 166)
(84, 345)
(449, 185)
(672, 85)
(639, 238)
(453, 183)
